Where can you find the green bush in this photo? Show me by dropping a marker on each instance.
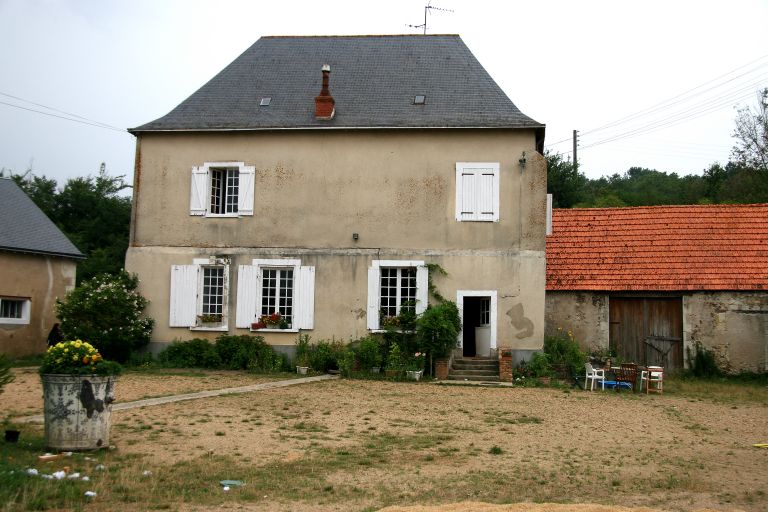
(563, 349)
(195, 353)
(368, 352)
(324, 355)
(6, 376)
(229, 352)
(346, 362)
(396, 360)
(540, 365)
(438, 329)
(302, 350)
(248, 353)
(108, 312)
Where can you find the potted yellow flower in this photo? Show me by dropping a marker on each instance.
(78, 387)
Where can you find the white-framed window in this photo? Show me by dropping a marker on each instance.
(199, 295)
(14, 310)
(477, 191)
(222, 189)
(394, 285)
(270, 286)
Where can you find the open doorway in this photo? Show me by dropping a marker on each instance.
(478, 323)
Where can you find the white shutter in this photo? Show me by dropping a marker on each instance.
(304, 309)
(422, 289)
(198, 193)
(374, 298)
(183, 295)
(485, 193)
(247, 286)
(468, 195)
(245, 191)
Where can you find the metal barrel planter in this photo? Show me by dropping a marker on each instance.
(77, 411)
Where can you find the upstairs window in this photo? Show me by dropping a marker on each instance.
(477, 191)
(222, 189)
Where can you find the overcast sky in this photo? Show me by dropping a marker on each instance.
(569, 64)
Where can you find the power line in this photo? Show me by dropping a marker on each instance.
(59, 111)
(106, 127)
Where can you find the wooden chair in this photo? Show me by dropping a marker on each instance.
(653, 379)
(627, 373)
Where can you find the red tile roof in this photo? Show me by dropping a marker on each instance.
(659, 248)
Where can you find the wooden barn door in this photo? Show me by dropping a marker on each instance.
(647, 331)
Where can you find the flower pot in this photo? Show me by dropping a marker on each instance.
(12, 436)
(302, 370)
(375, 369)
(391, 373)
(414, 374)
(77, 411)
(545, 380)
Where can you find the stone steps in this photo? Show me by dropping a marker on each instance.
(484, 369)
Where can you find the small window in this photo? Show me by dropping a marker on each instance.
(477, 191)
(222, 189)
(419, 99)
(265, 102)
(14, 310)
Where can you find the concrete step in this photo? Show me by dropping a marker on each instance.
(479, 366)
(476, 378)
(474, 372)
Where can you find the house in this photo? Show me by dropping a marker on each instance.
(37, 264)
(652, 282)
(321, 177)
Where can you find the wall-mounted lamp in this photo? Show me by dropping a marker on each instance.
(522, 160)
(355, 237)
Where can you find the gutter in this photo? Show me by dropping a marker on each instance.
(134, 131)
(79, 256)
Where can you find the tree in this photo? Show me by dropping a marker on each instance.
(107, 311)
(564, 181)
(751, 133)
(90, 212)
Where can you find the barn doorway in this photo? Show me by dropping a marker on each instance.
(647, 330)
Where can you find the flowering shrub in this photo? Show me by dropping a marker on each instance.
(107, 310)
(417, 362)
(76, 358)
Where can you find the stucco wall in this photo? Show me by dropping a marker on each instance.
(583, 313)
(396, 189)
(732, 324)
(38, 278)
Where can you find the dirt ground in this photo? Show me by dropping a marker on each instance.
(384, 443)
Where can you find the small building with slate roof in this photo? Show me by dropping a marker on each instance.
(652, 283)
(37, 264)
(309, 187)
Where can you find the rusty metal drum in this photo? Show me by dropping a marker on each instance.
(77, 410)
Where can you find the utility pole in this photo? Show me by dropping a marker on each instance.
(575, 145)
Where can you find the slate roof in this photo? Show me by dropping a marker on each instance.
(373, 80)
(25, 228)
(659, 248)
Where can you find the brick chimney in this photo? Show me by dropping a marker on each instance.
(324, 102)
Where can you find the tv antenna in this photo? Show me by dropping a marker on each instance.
(427, 8)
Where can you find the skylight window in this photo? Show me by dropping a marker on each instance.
(419, 99)
(265, 102)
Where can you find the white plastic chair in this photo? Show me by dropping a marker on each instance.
(653, 379)
(593, 375)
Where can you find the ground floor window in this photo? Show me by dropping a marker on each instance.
(395, 287)
(212, 300)
(199, 294)
(398, 291)
(277, 293)
(14, 310)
